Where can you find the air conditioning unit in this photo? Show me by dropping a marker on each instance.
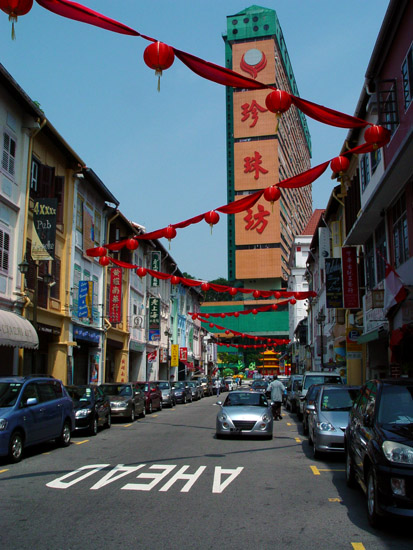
(137, 321)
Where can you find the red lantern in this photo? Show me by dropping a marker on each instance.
(233, 291)
(132, 244)
(205, 287)
(278, 102)
(254, 311)
(212, 218)
(227, 331)
(222, 315)
(194, 317)
(293, 301)
(141, 271)
(274, 307)
(175, 280)
(14, 8)
(376, 135)
(236, 314)
(211, 325)
(277, 294)
(340, 164)
(104, 260)
(159, 56)
(272, 194)
(100, 251)
(207, 316)
(228, 346)
(256, 294)
(169, 233)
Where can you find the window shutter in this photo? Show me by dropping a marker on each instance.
(46, 180)
(59, 182)
(4, 250)
(55, 289)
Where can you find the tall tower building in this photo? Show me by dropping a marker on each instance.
(260, 155)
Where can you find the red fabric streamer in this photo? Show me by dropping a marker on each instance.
(305, 178)
(327, 115)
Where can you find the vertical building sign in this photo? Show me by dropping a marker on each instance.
(334, 286)
(115, 295)
(44, 229)
(323, 246)
(154, 319)
(88, 228)
(174, 355)
(183, 354)
(350, 278)
(155, 266)
(85, 299)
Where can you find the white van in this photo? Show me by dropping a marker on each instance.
(311, 378)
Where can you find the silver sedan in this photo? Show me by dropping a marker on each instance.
(245, 413)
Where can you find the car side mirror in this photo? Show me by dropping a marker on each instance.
(31, 401)
(219, 403)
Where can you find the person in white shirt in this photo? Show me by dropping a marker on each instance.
(276, 389)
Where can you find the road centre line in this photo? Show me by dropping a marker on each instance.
(5, 470)
(298, 440)
(80, 442)
(316, 471)
(336, 499)
(358, 546)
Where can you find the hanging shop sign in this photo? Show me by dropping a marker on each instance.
(334, 287)
(44, 229)
(183, 354)
(88, 226)
(174, 355)
(115, 295)
(154, 319)
(324, 245)
(155, 266)
(85, 299)
(350, 278)
(151, 356)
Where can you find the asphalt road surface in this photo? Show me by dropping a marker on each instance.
(166, 482)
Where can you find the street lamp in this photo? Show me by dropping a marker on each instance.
(320, 320)
(168, 333)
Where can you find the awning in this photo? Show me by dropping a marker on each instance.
(372, 335)
(17, 332)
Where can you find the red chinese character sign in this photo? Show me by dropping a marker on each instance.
(350, 278)
(115, 295)
(183, 354)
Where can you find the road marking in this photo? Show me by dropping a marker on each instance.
(127, 425)
(289, 424)
(298, 440)
(316, 471)
(2, 471)
(81, 442)
(335, 500)
(154, 415)
(358, 546)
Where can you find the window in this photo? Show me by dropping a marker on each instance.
(369, 259)
(375, 158)
(79, 213)
(400, 234)
(381, 245)
(364, 171)
(46, 391)
(55, 289)
(45, 184)
(407, 78)
(98, 224)
(4, 251)
(9, 154)
(390, 110)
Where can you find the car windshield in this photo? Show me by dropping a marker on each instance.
(259, 384)
(163, 385)
(321, 379)
(80, 394)
(179, 385)
(246, 399)
(192, 384)
(396, 405)
(117, 389)
(9, 392)
(338, 400)
(143, 387)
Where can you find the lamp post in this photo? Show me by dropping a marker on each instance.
(168, 333)
(24, 267)
(320, 320)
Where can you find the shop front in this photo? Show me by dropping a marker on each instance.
(87, 356)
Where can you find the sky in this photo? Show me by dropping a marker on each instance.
(163, 154)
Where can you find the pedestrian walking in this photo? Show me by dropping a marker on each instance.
(218, 385)
(276, 389)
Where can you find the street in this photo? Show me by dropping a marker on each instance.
(165, 481)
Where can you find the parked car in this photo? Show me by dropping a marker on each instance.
(33, 410)
(259, 385)
(183, 392)
(92, 407)
(379, 447)
(310, 378)
(206, 384)
(327, 424)
(309, 404)
(168, 393)
(284, 379)
(293, 388)
(152, 395)
(245, 413)
(126, 400)
(195, 389)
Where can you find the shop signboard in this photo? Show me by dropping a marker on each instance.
(44, 229)
(174, 355)
(334, 286)
(155, 266)
(115, 295)
(350, 278)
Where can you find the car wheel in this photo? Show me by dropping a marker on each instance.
(65, 437)
(108, 422)
(191, 398)
(184, 400)
(93, 430)
(160, 405)
(132, 414)
(350, 475)
(305, 426)
(143, 413)
(150, 407)
(310, 437)
(16, 447)
(372, 507)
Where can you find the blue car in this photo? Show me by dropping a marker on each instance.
(33, 409)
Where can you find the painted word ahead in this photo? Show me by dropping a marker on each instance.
(157, 475)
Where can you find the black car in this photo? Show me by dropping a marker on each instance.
(92, 407)
(183, 392)
(127, 400)
(379, 447)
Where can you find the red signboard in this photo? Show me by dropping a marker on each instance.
(350, 278)
(183, 354)
(115, 295)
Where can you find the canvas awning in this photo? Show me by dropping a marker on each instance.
(17, 332)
